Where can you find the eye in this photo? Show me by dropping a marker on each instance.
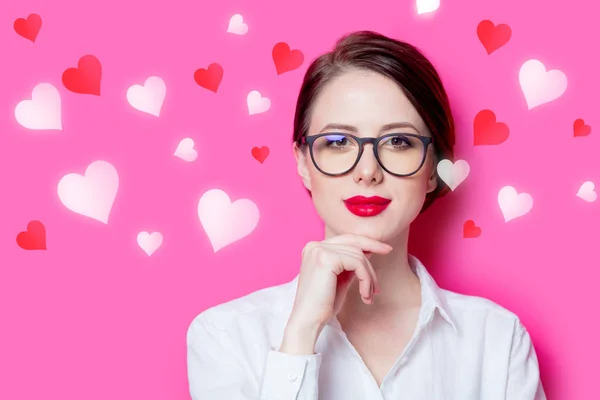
(398, 142)
(336, 140)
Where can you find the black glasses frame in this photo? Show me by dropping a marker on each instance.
(426, 140)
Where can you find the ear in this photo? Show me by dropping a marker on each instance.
(433, 181)
(302, 161)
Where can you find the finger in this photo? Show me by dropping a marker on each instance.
(350, 262)
(363, 242)
(356, 252)
(369, 266)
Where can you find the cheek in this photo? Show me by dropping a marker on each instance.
(316, 179)
(326, 197)
(412, 190)
(325, 189)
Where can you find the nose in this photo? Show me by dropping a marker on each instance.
(368, 169)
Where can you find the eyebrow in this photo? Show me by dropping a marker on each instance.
(387, 127)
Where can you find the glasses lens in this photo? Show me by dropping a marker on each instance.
(399, 154)
(335, 153)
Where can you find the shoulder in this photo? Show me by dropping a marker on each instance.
(261, 310)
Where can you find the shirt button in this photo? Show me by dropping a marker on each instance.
(292, 377)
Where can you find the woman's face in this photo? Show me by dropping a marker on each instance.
(365, 102)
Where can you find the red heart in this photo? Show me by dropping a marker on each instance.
(487, 131)
(261, 153)
(470, 230)
(286, 59)
(493, 37)
(86, 78)
(34, 238)
(30, 27)
(580, 128)
(209, 78)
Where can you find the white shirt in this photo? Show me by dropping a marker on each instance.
(470, 349)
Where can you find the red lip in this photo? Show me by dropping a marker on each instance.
(366, 206)
(367, 200)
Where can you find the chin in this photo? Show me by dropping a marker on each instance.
(377, 228)
(384, 227)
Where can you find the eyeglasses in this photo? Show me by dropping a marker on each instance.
(399, 154)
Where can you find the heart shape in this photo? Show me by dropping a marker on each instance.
(256, 103)
(260, 153)
(493, 37)
(149, 97)
(43, 111)
(209, 78)
(34, 238)
(28, 28)
(470, 230)
(427, 6)
(149, 242)
(513, 204)
(580, 128)
(587, 192)
(486, 131)
(237, 25)
(285, 59)
(223, 221)
(540, 86)
(453, 174)
(86, 78)
(92, 194)
(185, 150)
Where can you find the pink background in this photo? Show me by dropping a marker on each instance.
(95, 317)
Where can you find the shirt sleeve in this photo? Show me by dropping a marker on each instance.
(216, 372)
(524, 381)
(291, 376)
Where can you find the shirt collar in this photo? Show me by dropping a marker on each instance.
(432, 296)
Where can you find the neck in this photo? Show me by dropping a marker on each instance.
(400, 286)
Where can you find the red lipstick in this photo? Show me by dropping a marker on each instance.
(366, 206)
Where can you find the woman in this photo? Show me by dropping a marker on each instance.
(364, 319)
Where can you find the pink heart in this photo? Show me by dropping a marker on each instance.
(224, 221)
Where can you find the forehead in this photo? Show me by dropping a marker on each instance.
(365, 100)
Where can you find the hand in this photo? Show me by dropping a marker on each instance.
(328, 268)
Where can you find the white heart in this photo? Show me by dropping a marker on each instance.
(43, 111)
(237, 25)
(426, 6)
(148, 97)
(587, 192)
(93, 194)
(185, 150)
(513, 205)
(256, 103)
(540, 86)
(223, 221)
(453, 174)
(149, 242)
